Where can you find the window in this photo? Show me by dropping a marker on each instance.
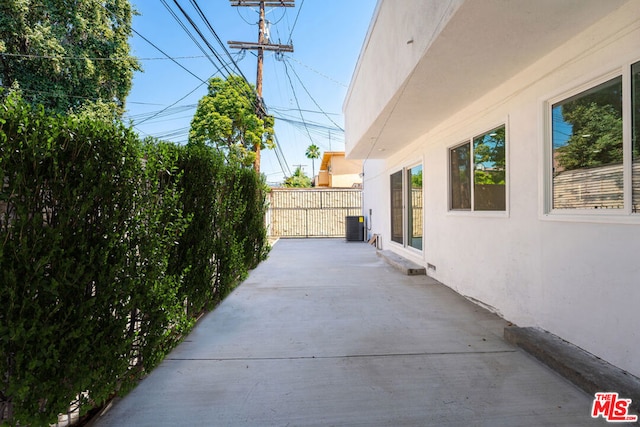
(592, 166)
(396, 208)
(460, 164)
(406, 190)
(485, 155)
(587, 149)
(414, 210)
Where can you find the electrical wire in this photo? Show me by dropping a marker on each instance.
(309, 124)
(43, 92)
(169, 106)
(218, 39)
(186, 30)
(281, 158)
(318, 72)
(311, 97)
(222, 68)
(225, 69)
(295, 22)
(161, 113)
(88, 58)
(203, 38)
(284, 12)
(242, 17)
(295, 97)
(166, 54)
(272, 108)
(251, 94)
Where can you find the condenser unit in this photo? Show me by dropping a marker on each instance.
(354, 228)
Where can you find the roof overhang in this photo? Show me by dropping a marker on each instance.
(483, 44)
(326, 158)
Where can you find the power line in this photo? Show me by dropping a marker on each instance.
(218, 39)
(163, 112)
(88, 58)
(169, 106)
(281, 159)
(223, 65)
(318, 72)
(259, 104)
(262, 45)
(197, 36)
(251, 94)
(241, 17)
(186, 30)
(307, 123)
(172, 134)
(279, 19)
(202, 37)
(219, 69)
(295, 21)
(306, 111)
(60, 95)
(166, 54)
(311, 97)
(295, 97)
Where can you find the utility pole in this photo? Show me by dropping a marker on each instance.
(262, 45)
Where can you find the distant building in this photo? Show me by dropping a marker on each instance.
(338, 172)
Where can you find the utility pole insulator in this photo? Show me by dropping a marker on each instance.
(261, 46)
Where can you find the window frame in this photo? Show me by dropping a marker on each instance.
(470, 142)
(626, 214)
(450, 177)
(410, 209)
(406, 186)
(393, 208)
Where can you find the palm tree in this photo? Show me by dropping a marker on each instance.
(313, 152)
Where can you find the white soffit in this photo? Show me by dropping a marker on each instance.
(485, 43)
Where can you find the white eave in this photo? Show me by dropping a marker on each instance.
(475, 46)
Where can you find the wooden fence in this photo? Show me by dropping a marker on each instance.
(595, 188)
(315, 212)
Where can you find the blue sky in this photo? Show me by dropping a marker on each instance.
(327, 38)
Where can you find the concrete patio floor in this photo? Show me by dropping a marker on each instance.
(325, 333)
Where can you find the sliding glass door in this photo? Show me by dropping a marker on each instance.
(406, 191)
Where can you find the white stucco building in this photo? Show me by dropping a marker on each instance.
(497, 139)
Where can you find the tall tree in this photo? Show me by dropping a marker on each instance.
(489, 157)
(596, 139)
(226, 119)
(67, 54)
(595, 117)
(313, 152)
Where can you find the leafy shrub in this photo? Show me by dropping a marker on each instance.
(70, 189)
(227, 235)
(110, 248)
(194, 254)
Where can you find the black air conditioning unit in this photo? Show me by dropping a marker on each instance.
(354, 228)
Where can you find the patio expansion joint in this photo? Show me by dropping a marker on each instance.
(347, 356)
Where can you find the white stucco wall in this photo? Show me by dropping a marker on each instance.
(393, 27)
(578, 277)
(345, 181)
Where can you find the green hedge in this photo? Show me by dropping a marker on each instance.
(110, 248)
